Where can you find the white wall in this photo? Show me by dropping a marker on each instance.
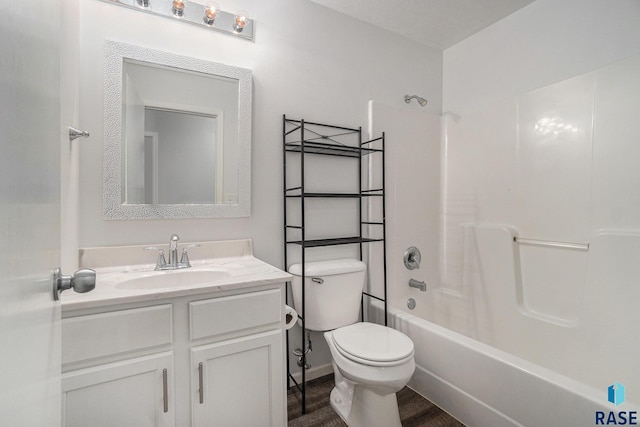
(542, 43)
(412, 139)
(307, 61)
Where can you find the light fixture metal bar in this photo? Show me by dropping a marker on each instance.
(193, 14)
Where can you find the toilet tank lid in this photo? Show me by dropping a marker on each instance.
(328, 268)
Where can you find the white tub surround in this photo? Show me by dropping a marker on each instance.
(538, 227)
(197, 346)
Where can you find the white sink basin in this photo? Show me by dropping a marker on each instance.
(173, 279)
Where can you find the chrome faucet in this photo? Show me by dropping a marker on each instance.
(173, 252)
(173, 264)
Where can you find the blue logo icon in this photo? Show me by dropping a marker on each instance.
(616, 393)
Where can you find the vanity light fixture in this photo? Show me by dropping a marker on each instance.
(208, 16)
(210, 12)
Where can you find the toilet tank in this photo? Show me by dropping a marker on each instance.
(333, 291)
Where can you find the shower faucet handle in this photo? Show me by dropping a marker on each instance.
(412, 258)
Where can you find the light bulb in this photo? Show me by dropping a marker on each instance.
(177, 7)
(211, 10)
(241, 20)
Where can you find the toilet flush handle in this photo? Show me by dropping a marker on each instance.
(318, 280)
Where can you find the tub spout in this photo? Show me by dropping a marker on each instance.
(418, 285)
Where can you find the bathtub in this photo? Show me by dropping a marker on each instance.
(483, 386)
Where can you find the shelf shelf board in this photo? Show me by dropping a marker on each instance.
(327, 195)
(311, 147)
(334, 195)
(334, 242)
(352, 130)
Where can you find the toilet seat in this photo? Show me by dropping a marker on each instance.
(372, 344)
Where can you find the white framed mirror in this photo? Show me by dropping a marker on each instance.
(177, 136)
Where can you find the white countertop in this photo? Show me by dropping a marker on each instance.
(241, 271)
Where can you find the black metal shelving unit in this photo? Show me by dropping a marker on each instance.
(303, 138)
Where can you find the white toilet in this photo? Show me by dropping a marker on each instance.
(370, 362)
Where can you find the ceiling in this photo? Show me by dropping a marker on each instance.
(436, 23)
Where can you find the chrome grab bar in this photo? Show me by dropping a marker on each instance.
(549, 243)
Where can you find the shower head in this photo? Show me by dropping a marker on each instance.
(420, 99)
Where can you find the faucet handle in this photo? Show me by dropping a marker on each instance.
(184, 260)
(161, 262)
(412, 258)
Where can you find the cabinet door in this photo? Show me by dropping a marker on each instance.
(131, 393)
(239, 382)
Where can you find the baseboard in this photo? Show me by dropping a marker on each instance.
(314, 372)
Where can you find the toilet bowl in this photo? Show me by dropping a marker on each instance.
(371, 362)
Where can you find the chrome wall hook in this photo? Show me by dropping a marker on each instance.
(75, 133)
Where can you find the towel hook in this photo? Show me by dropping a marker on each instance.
(76, 133)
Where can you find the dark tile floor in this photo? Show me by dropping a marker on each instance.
(415, 411)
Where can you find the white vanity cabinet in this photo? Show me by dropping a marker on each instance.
(133, 392)
(236, 385)
(239, 380)
(124, 368)
(211, 359)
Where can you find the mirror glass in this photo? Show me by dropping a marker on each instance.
(177, 136)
